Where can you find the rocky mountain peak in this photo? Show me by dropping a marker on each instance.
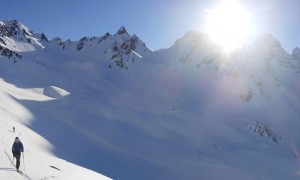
(192, 38)
(268, 40)
(43, 37)
(13, 28)
(122, 30)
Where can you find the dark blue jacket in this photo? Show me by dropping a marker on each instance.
(17, 147)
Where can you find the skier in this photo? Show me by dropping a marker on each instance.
(14, 129)
(17, 148)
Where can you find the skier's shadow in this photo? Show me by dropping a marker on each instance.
(7, 169)
(14, 132)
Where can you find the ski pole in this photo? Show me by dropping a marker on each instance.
(23, 161)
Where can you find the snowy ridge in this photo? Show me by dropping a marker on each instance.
(185, 112)
(19, 38)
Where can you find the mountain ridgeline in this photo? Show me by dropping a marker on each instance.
(184, 112)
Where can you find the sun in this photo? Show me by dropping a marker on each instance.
(228, 24)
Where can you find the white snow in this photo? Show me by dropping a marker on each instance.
(186, 112)
(55, 92)
(38, 162)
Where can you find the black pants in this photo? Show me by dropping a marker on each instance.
(18, 156)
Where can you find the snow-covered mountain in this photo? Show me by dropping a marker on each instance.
(38, 162)
(113, 105)
(20, 48)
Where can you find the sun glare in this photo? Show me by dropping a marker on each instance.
(228, 24)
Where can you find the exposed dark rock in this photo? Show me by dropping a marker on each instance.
(83, 39)
(122, 30)
(264, 130)
(2, 41)
(114, 48)
(124, 46)
(12, 28)
(25, 32)
(80, 46)
(43, 37)
(59, 42)
(104, 37)
(133, 42)
(9, 53)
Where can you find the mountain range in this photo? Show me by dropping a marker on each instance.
(191, 111)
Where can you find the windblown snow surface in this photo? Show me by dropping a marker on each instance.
(112, 105)
(38, 161)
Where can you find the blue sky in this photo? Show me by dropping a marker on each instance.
(159, 23)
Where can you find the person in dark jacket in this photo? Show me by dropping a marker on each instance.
(17, 148)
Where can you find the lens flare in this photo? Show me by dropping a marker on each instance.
(228, 24)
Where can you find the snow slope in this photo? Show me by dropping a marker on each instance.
(38, 161)
(187, 112)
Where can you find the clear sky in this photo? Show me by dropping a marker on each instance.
(159, 23)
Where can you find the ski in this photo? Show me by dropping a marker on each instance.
(20, 172)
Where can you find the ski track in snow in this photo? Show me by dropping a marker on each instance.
(255, 83)
(40, 160)
(9, 159)
(12, 163)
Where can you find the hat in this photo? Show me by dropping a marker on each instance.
(17, 139)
